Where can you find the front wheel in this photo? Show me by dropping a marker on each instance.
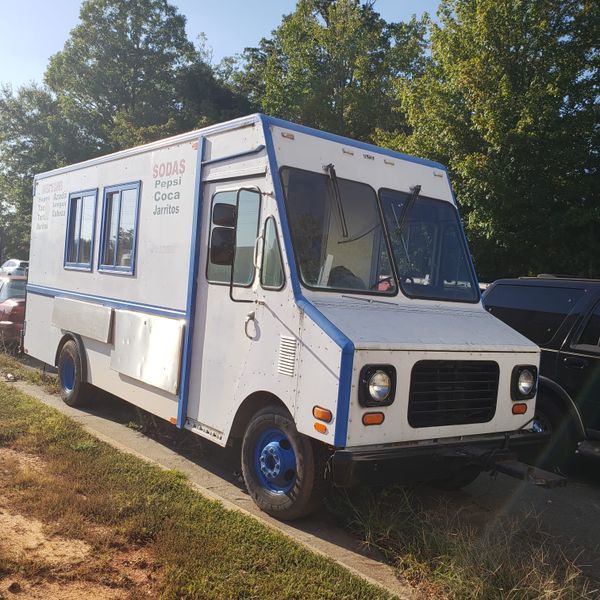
(280, 466)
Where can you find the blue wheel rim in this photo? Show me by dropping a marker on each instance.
(67, 373)
(275, 461)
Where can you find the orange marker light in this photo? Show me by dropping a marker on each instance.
(173, 420)
(321, 428)
(373, 418)
(322, 414)
(519, 409)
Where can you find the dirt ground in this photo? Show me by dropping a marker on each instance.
(36, 563)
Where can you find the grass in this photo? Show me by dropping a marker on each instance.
(10, 365)
(201, 550)
(90, 491)
(438, 549)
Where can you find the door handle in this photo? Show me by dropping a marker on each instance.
(250, 317)
(255, 258)
(574, 362)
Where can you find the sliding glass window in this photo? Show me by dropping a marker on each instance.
(81, 221)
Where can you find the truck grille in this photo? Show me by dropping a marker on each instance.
(452, 392)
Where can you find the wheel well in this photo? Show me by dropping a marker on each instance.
(562, 401)
(252, 404)
(71, 336)
(547, 392)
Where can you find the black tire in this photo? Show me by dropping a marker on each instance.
(558, 453)
(459, 480)
(306, 484)
(73, 390)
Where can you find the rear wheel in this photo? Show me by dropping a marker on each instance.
(280, 466)
(73, 390)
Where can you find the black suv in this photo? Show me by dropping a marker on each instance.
(562, 316)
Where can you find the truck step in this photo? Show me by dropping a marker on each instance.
(534, 475)
(589, 448)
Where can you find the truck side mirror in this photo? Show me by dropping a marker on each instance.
(222, 243)
(224, 214)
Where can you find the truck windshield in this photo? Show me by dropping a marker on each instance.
(428, 248)
(338, 237)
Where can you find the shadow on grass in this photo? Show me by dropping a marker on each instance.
(439, 545)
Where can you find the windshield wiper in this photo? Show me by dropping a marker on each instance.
(414, 194)
(400, 220)
(338, 198)
(360, 235)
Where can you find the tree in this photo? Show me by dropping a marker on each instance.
(510, 102)
(204, 99)
(331, 64)
(34, 137)
(127, 75)
(117, 73)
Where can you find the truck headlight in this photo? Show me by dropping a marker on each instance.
(524, 382)
(380, 386)
(377, 385)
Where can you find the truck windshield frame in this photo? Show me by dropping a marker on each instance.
(352, 256)
(438, 266)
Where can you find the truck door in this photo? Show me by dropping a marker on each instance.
(220, 347)
(579, 369)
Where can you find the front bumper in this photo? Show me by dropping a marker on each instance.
(426, 462)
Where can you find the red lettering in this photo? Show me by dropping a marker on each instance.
(176, 167)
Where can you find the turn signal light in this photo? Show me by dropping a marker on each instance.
(373, 418)
(321, 428)
(173, 420)
(519, 409)
(322, 414)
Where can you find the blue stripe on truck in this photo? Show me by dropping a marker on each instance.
(50, 292)
(345, 343)
(186, 361)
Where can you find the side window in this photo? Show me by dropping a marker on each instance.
(119, 227)
(245, 236)
(591, 332)
(81, 222)
(271, 273)
(535, 311)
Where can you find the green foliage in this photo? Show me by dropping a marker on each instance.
(117, 73)
(34, 137)
(126, 75)
(505, 92)
(331, 64)
(510, 103)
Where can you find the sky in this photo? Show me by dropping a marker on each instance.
(32, 30)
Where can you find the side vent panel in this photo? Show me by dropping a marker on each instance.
(286, 363)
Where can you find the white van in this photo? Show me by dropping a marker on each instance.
(307, 294)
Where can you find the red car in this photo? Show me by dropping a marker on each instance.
(12, 309)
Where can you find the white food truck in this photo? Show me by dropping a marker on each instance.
(309, 296)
